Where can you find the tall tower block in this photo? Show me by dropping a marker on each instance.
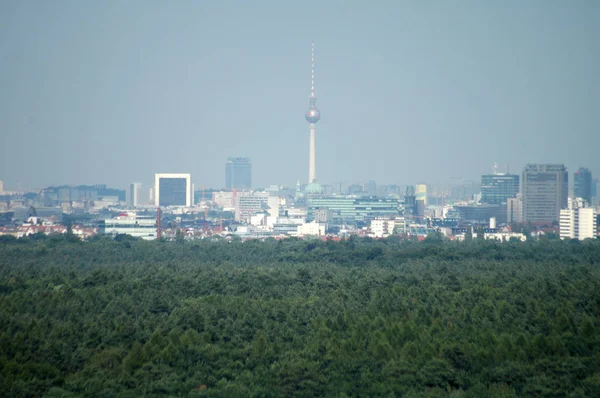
(312, 116)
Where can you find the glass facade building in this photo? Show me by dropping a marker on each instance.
(173, 190)
(582, 186)
(481, 214)
(348, 210)
(238, 173)
(138, 227)
(545, 192)
(496, 189)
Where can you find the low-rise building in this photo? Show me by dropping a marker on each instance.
(382, 227)
(136, 226)
(311, 228)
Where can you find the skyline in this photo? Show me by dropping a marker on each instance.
(414, 92)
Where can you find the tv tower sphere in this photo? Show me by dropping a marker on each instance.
(312, 115)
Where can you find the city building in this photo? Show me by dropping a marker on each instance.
(545, 192)
(312, 116)
(497, 188)
(238, 173)
(410, 204)
(349, 210)
(248, 204)
(382, 227)
(130, 224)
(1, 186)
(514, 210)
(578, 221)
(133, 196)
(582, 185)
(355, 189)
(370, 188)
(173, 189)
(498, 236)
(421, 193)
(481, 213)
(311, 228)
(225, 200)
(383, 191)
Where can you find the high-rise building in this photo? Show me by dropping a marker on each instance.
(545, 192)
(496, 189)
(238, 173)
(582, 186)
(312, 116)
(173, 189)
(514, 210)
(133, 194)
(578, 221)
(1, 186)
(421, 193)
(410, 203)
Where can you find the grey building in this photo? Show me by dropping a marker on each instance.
(349, 210)
(582, 187)
(545, 192)
(173, 189)
(481, 214)
(498, 188)
(133, 194)
(238, 173)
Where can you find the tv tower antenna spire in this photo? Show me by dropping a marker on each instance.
(312, 80)
(312, 116)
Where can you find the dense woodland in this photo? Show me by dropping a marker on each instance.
(360, 317)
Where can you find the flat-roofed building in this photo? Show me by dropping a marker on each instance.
(349, 210)
(136, 226)
(133, 194)
(249, 203)
(514, 210)
(578, 221)
(497, 188)
(238, 173)
(481, 213)
(171, 189)
(583, 184)
(545, 192)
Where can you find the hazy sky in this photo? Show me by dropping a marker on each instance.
(421, 91)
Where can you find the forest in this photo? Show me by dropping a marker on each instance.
(307, 318)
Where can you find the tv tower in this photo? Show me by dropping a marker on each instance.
(312, 116)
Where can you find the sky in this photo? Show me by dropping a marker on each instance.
(111, 92)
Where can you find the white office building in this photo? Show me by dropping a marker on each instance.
(578, 221)
(382, 227)
(311, 228)
(173, 190)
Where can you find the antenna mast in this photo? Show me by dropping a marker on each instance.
(312, 77)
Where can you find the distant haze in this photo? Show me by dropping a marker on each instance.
(421, 91)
